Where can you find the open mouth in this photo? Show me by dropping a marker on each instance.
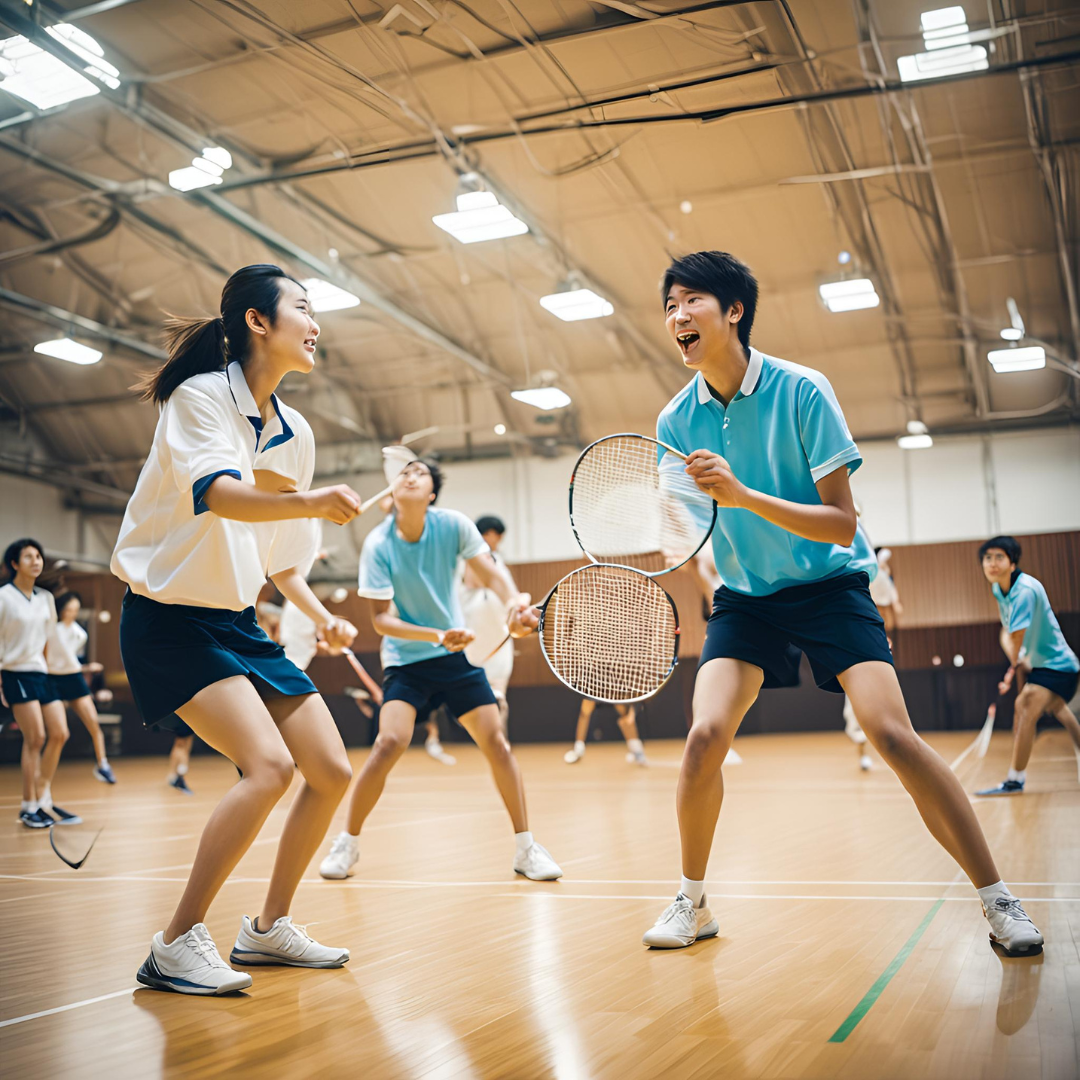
(309, 344)
(687, 339)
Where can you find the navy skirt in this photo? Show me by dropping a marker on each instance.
(70, 687)
(21, 687)
(172, 651)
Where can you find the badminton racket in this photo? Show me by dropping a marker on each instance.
(71, 849)
(372, 686)
(631, 499)
(395, 458)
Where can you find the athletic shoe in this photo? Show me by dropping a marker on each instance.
(681, 924)
(435, 750)
(536, 863)
(1006, 787)
(344, 855)
(63, 817)
(180, 783)
(865, 763)
(284, 943)
(1012, 929)
(636, 757)
(190, 965)
(572, 757)
(34, 820)
(104, 773)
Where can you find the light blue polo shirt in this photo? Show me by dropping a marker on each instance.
(781, 433)
(420, 578)
(1026, 607)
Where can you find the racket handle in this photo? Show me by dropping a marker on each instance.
(496, 649)
(670, 449)
(372, 686)
(367, 504)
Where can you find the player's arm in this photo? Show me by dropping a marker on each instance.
(521, 619)
(1012, 642)
(231, 498)
(337, 633)
(832, 521)
(388, 625)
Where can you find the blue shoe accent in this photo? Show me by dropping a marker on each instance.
(46, 819)
(1007, 787)
(104, 773)
(32, 821)
(64, 818)
(151, 975)
(181, 785)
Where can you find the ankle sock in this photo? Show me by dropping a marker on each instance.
(30, 806)
(524, 841)
(1017, 776)
(634, 746)
(579, 747)
(694, 890)
(989, 893)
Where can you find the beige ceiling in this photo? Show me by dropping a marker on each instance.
(349, 123)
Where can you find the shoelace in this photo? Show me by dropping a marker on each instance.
(340, 845)
(683, 905)
(1011, 906)
(206, 948)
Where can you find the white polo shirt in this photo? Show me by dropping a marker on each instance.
(171, 548)
(63, 648)
(25, 622)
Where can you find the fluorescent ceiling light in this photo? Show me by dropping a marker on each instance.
(545, 398)
(1010, 333)
(850, 295)
(480, 216)
(948, 42)
(66, 349)
(31, 73)
(575, 304)
(326, 297)
(1026, 359)
(915, 442)
(203, 171)
(916, 427)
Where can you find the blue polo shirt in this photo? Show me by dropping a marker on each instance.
(420, 578)
(781, 433)
(1026, 607)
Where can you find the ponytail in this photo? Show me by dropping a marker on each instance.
(195, 346)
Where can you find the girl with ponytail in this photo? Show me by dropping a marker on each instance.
(223, 503)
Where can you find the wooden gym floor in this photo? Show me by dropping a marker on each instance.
(821, 879)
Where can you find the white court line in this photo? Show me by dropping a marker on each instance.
(66, 1008)
(774, 896)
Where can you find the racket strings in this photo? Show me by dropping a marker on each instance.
(627, 504)
(610, 633)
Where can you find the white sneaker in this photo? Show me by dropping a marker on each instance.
(344, 855)
(636, 757)
(1012, 929)
(190, 965)
(865, 763)
(682, 924)
(284, 943)
(435, 750)
(536, 863)
(572, 757)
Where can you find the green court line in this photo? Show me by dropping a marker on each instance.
(860, 1010)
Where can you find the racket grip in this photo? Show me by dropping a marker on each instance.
(370, 684)
(367, 504)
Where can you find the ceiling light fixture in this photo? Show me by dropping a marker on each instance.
(854, 294)
(1027, 358)
(479, 216)
(915, 442)
(326, 297)
(544, 398)
(203, 171)
(71, 351)
(572, 302)
(949, 45)
(31, 73)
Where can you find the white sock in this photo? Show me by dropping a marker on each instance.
(30, 806)
(103, 763)
(45, 800)
(1017, 776)
(524, 841)
(989, 893)
(181, 770)
(694, 890)
(634, 746)
(579, 747)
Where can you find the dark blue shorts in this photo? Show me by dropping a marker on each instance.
(172, 651)
(833, 621)
(70, 687)
(21, 687)
(444, 680)
(1062, 683)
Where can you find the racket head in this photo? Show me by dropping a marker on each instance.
(395, 458)
(610, 632)
(73, 849)
(632, 503)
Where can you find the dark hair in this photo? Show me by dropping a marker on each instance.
(196, 346)
(1008, 544)
(436, 476)
(721, 275)
(490, 523)
(64, 599)
(15, 550)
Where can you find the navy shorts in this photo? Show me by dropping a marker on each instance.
(172, 651)
(444, 680)
(1062, 683)
(835, 622)
(70, 687)
(23, 686)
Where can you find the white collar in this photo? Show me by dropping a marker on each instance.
(276, 430)
(245, 402)
(748, 385)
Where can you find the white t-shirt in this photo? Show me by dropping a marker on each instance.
(63, 648)
(171, 547)
(25, 622)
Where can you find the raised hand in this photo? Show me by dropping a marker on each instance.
(339, 504)
(713, 475)
(457, 639)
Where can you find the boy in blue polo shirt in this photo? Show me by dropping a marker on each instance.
(766, 439)
(1032, 634)
(408, 573)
